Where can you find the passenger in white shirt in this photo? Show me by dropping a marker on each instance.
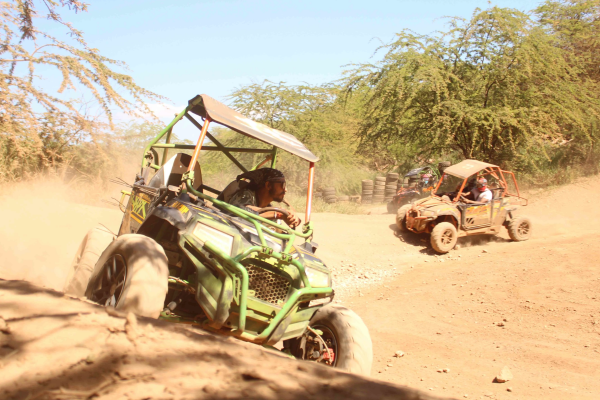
(481, 193)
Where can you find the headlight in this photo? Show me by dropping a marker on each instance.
(220, 240)
(317, 278)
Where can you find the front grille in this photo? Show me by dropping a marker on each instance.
(266, 285)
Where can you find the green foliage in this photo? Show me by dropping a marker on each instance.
(36, 124)
(317, 117)
(497, 87)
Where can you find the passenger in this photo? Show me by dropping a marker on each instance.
(481, 193)
(266, 185)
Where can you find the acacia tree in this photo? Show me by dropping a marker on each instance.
(25, 105)
(495, 87)
(316, 116)
(576, 24)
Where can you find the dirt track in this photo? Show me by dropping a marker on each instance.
(531, 306)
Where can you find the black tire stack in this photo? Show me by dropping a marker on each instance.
(391, 186)
(367, 192)
(329, 195)
(379, 189)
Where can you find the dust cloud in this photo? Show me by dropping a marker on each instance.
(42, 224)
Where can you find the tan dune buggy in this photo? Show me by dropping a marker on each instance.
(447, 215)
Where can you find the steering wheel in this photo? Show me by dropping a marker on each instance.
(276, 209)
(463, 197)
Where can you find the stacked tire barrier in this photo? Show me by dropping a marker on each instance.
(367, 192)
(391, 186)
(379, 189)
(329, 195)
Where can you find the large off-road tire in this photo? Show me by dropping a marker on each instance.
(88, 253)
(392, 207)
(444, 237)
(519, 229)
(354, 349)
(401, 217)
(132, 276)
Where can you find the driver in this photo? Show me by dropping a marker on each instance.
(266, 185)
(481, 193)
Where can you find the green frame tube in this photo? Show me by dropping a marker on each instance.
(255, 220)
(166, 150)
(163, 133)
(234, 264)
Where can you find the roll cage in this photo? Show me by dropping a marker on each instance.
(465, 170)
(210, 111)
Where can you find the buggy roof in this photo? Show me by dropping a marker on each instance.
(466, 168)
(205, 106)
(416, 171)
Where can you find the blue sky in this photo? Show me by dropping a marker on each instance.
(182, 48)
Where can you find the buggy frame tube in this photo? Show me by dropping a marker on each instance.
(217, 143)
(166, 150)
(309, 190)
(234, 263)
(253, 218)
(274, 157)
(263, 162)
(199, 145)
(162, 133)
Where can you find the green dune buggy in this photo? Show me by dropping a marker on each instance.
(185, 256)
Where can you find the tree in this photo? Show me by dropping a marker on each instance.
(497, 87)
(315, 115)
(576, 24)
(24, 49)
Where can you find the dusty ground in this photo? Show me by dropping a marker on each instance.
(530, 306)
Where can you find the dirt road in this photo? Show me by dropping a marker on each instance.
(530, 306)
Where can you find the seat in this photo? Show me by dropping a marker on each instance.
(172, 171)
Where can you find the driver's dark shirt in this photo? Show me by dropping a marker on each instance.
(243, 198)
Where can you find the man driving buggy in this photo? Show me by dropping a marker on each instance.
(257, 191)
(480, 193)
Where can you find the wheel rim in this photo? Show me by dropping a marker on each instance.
(447, 237)
(523, 229)
(110, 281)
(330, 339)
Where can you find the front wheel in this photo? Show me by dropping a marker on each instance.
(444, 237)
(401, 217)
(519, 229)
(82, 267)
(131, 275)
(337, 337)
(392, 207)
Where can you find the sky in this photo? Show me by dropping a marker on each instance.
(182, 48)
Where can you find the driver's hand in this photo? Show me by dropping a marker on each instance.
(292, 220)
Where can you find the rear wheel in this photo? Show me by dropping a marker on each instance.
(132, 276)
(519, 229)
(90, 249)
(444, 237)
(401, 217)
(337, 337)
